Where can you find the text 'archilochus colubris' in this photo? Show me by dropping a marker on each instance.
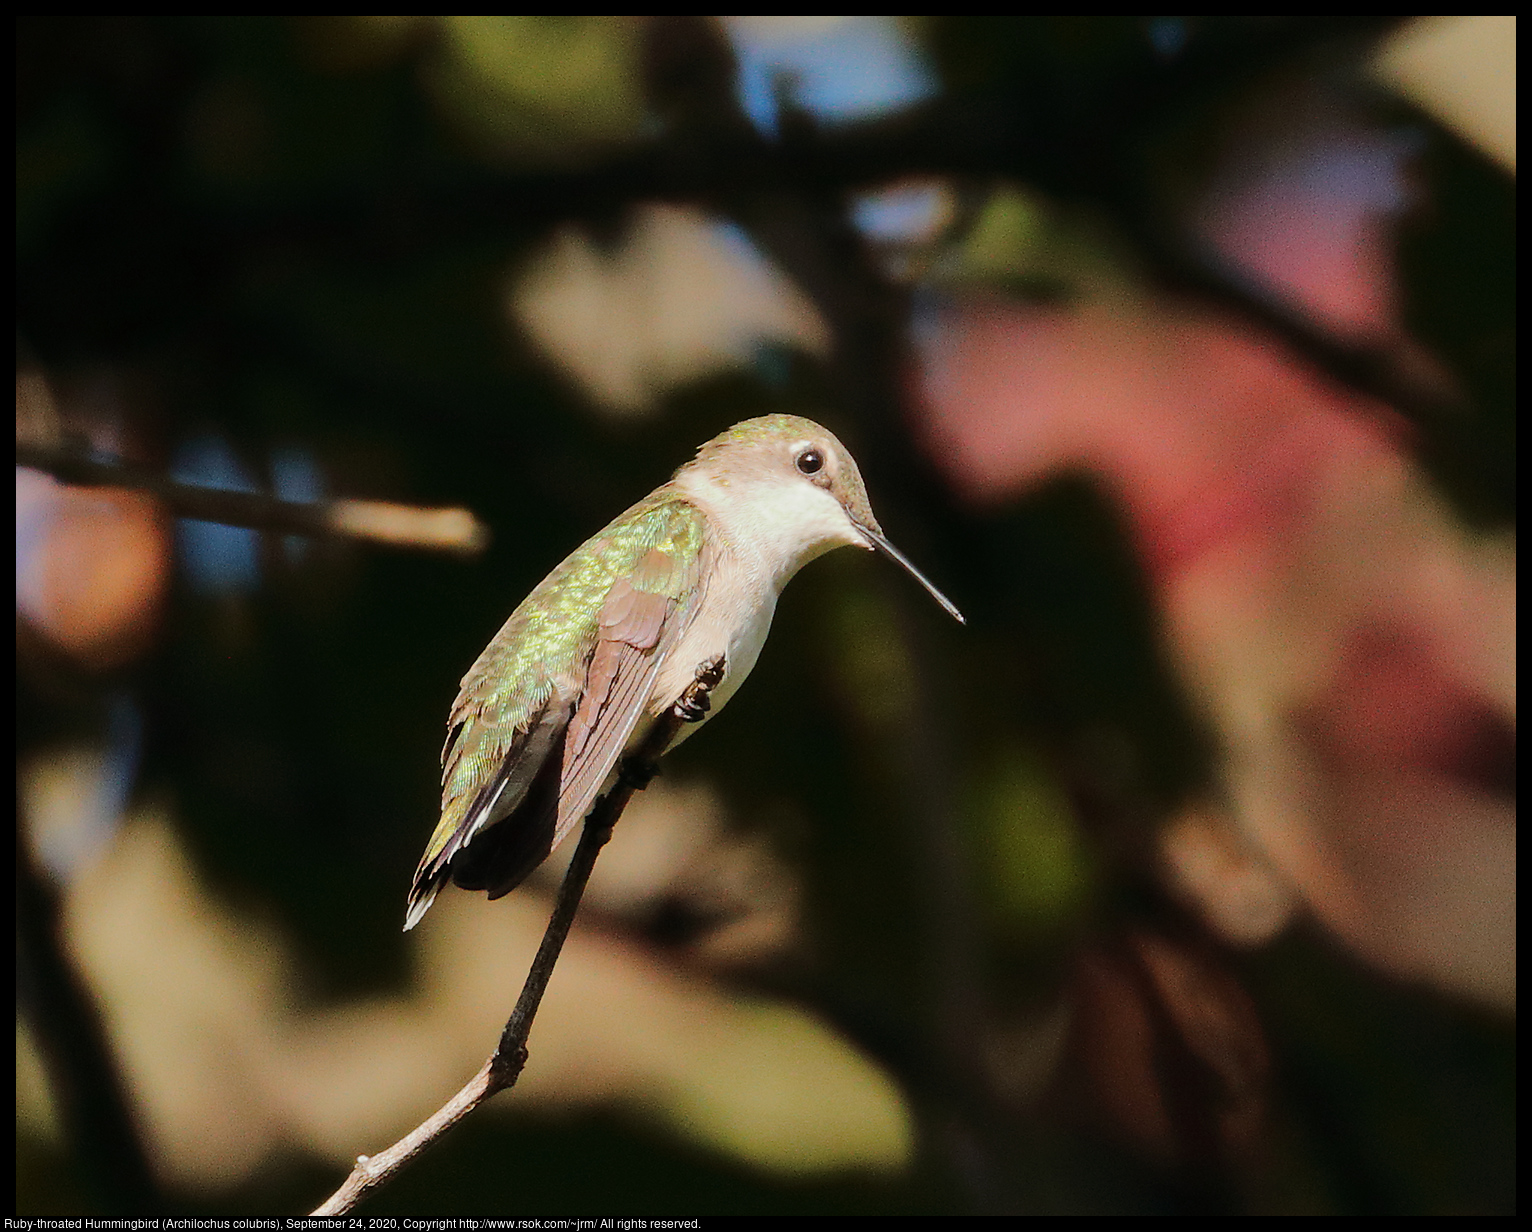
(611, 638)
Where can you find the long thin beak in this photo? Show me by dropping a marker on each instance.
(900, 559)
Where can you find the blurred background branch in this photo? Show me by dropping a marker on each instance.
(439, 530)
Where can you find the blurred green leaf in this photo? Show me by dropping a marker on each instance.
(546, 89)
(1030, 853)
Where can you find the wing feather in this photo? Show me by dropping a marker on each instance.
(563, 685)
(637, 627)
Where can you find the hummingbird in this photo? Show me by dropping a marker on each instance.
(611, 638)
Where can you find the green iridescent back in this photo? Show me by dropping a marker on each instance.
(545, 645)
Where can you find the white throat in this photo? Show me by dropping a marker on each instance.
(777, 526)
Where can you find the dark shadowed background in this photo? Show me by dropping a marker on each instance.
(1177, 351)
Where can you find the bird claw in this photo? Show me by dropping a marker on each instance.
(695, 703)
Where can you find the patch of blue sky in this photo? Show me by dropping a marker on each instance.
(34, 513)
(897, 214)
(104, 791)
(1168, 35)
(737, 240)
(216, 558)
(1367, 171)
(837, 68)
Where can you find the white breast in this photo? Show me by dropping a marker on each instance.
(761, 534)
(734, 620)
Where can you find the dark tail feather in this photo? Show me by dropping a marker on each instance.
(501, 840)
(502, 855)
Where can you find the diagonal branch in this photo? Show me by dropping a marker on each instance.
(407, 526)
(503, 1068)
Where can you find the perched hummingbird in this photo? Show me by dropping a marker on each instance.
(612, 637)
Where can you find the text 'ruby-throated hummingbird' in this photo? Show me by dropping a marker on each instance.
(611, 638)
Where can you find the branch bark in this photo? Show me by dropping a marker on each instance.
(510, 1056)
(409, 526)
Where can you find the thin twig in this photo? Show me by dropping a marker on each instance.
(504, 1067)
(410, 526)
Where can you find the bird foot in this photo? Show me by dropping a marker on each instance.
(694, 704)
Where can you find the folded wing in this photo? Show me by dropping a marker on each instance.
(531, 746)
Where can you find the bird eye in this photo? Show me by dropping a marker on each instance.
(810, 461)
